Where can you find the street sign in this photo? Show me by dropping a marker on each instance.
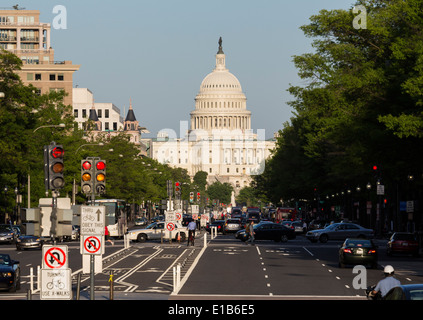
(56, 284)
(92, 245)
(410, 206)
(195, 209)
(170, 226)
(178, 216)
(55, 257)
(170, 216)
(380, 190)
(93, 220)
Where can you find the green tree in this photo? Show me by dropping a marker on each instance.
(220, 191)
(361, 103)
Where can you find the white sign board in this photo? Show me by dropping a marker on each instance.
(170, 216)
(93, 220)
(195, 209)
(380, 190)
(56, 284)
(204, 219)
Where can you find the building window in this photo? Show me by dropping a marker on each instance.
(52, 77)
(100, 113)
(84, 113)
(75, 113)
(115, 126)
(29, 76)
(106, 113)
(227, 170)
(106, 126)
(210, 170)
(38, 76)
(60, 77)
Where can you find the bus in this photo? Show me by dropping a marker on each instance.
(117, 216)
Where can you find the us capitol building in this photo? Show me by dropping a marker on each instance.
(220, 140)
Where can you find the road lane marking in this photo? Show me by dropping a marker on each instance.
(308, 251)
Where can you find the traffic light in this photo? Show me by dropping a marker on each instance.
(198, 196)
(177, 188)
(87, 176)
(53, 166)
(191, 197)
(100, 177)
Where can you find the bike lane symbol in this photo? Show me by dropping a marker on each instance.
(55, 258)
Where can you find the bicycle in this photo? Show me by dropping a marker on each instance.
(191, 237)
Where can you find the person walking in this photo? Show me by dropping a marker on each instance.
(250, 231)
(107, 236)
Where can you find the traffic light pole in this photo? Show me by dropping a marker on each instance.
(92, 257)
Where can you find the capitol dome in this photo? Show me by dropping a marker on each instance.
(220, 103)
(220, 81)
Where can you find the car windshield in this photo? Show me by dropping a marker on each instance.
(151, 226)
(4, 259)
(359, 243)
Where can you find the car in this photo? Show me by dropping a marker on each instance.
(403, 242)
(7, 234)
(219, 224)
(268, 231)
(233, 225)
(141, 221)
(10, 275)
(28, 242)
(339, 231)
(405, 292)
(358, 252)
(297, 226)
(156, 231)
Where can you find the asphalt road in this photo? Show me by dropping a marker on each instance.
(225, 269)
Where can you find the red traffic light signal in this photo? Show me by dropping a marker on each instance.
(54, 166)
(178, 188)
(86, 176)
(101, 165)
(100, 177)
(374, 168)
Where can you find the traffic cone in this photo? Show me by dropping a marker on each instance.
(179, 237)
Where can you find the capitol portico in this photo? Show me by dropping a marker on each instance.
(220, 140)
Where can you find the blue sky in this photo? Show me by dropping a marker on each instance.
(157, 52)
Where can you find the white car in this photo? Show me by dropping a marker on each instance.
(156, 231)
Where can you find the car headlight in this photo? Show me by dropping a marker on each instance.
(6, 274)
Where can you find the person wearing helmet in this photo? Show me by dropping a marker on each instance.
(387, 283)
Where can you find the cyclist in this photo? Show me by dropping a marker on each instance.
(191, 232)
